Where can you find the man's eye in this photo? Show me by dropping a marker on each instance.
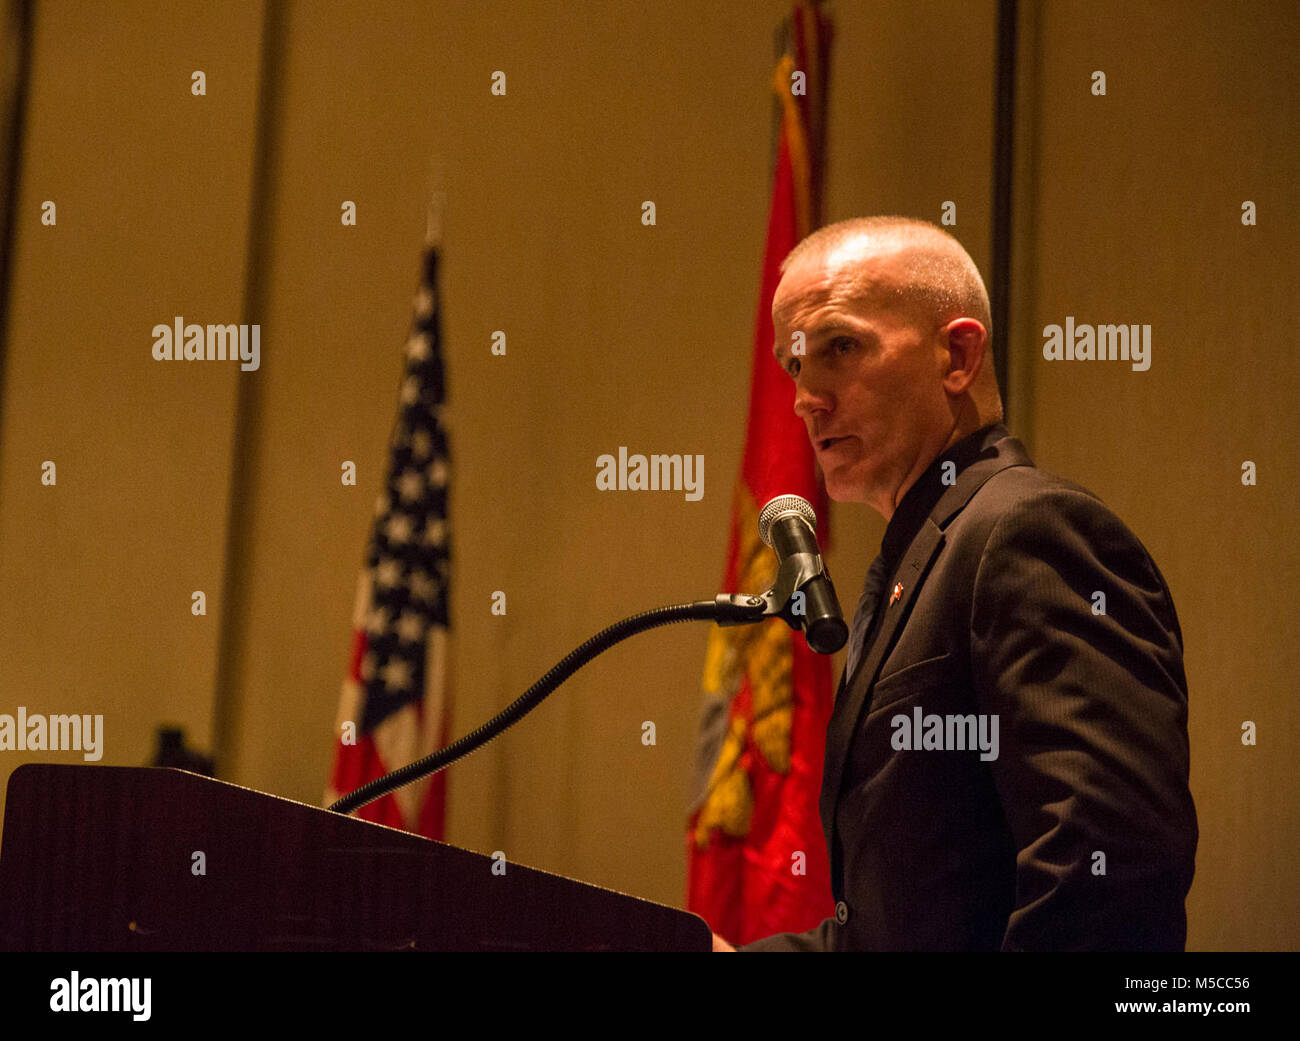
(842, 344)
(792, 367)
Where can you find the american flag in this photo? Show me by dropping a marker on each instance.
(395, 705)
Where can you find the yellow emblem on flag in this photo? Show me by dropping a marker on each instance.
(762, 654)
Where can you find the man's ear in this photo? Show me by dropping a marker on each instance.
(966, 342)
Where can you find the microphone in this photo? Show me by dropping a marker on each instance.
(788, 525)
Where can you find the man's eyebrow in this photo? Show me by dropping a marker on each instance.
(822, 332)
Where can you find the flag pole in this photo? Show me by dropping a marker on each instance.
(435, 214)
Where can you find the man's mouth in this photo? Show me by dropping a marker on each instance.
(827, 442)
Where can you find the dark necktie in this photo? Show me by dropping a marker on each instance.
(866, 612)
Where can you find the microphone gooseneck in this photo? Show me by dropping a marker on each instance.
(802, 597)
(706, 610)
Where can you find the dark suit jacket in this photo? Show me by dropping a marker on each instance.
(1081, 834)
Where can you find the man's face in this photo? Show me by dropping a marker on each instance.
(869, 384)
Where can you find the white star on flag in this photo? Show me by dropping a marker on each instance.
(411, 485)
(422, 587)
(388, 573)
(410, 627)
(417, 347)
(397, 674)
(399, 527)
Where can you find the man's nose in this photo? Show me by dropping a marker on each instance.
(809, 398)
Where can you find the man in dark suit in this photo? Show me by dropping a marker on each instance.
(1007, 760)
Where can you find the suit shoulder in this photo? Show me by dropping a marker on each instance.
(1018, 496)
(1030, 514)
(1033, 510)
(1023, 499)
(1018, 486)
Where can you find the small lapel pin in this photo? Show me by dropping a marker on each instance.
(898, 592)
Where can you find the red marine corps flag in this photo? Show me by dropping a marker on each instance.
(395, 706)
(756, 856)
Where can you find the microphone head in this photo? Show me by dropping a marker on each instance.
(781, 506)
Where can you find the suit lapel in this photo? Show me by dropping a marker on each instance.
(849, 703)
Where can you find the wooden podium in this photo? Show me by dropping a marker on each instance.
(105, 858)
